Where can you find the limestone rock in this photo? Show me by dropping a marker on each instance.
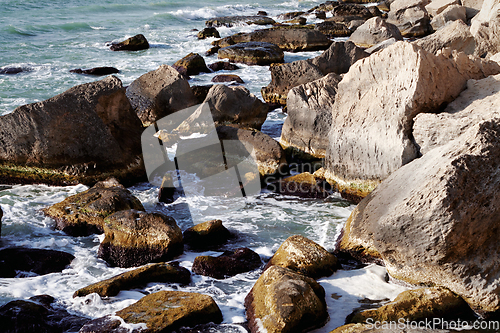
(228, 105)
(419, 304)
(455, 35)
(410, 17)
(227, 78)
(230, 21)
(135, 43)
(485, 27)
(96, 71)
(421, 219)
(376, 103)
(374, 31)
(134, 238)
(206, 235)
(380, 46)
(284, 301)
(83, 214)
(252, 53)
(337, 59)
(304, 185)
(83, 135)
(159, 93)
(437, 6)
(16, 260)
(208, 32)
(309, 109)
(304, 256)
(480, 101)
(451, 13)
(472, 7)
(161, 272)
(192, 64)
(227, 264)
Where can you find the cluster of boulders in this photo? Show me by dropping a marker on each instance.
(409, 129)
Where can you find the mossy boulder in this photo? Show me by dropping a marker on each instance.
(304, 256)
(160, 272)
(135, 43)
(419, 304)
(164, 311)
(134, 238)
(284, 301)
(83, 214)
(192, 64)
(169, 310)
(227, 264)
(303, 185)
(206, 235)
(252, 53)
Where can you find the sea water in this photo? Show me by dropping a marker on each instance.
(48, 39)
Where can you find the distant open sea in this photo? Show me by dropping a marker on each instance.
(48, 38)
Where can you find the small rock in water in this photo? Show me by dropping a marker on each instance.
(208, 32)
(223, 65)
(161, 272)
(206, 235)
(262, 13)
(96, 71)
(192, 64)
(227, 78)
(136, 43)
(227, 264)
(13, 70)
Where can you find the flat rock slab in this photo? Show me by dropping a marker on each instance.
(253, 53)
(161, 272)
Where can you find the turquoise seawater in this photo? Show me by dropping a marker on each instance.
(49, 38)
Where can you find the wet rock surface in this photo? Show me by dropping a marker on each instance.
(134, 238)
(18, 261)
(135, 43)
(83, 214)
(227, 264)
(206, 235)
(252, 53)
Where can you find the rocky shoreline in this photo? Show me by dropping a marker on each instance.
(400, 118)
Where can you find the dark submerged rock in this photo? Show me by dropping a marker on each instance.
(37, 315)
(83, 214)
(96, 71)
(227, 264)
(16, 260)
(135, 43)
(134, 238)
